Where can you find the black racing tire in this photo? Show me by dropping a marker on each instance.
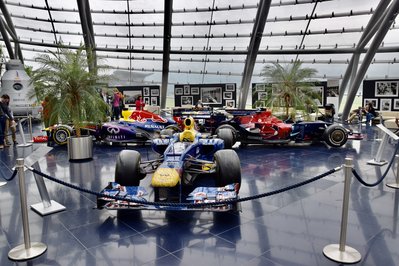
(335, 136)
(228, 168)
(127, 169)
(227, 136)
(61, 134)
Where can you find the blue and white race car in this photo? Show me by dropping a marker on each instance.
(191, 168)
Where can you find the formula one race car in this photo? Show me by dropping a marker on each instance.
(262, 127)
(190, 169)
(138, 126)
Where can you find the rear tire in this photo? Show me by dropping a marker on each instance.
(335, 136)
(127, 169)
(228, 168)
(61, 134)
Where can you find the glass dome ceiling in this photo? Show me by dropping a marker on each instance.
(210, 40)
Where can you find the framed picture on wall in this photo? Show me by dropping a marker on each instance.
(396, 104)
(154, 101)
(374, 101)
(186, 100)
(147, 100)
(229, 87)
(186, 89)
(386, 89)
(262, 95)
(230, 103)
(228, 95)
(385, 104)
(179, 91)
(155, 92)
(146, 91)
(260, 87)
(211, 95)
(195, 91)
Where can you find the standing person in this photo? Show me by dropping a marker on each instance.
(10, 127)
(4, 114)
(140, 103)
(116, 111)
(370, 113)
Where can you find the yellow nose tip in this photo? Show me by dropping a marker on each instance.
(165, 177)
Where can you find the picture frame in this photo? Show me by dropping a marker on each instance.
(186, 90)
(262, 95)
(195, 90)
(395, 104)
(179, 91)
(386, 89)
(146, 91)
(130, 96)
(260, 87)
(230, 103)
(154, 101)
(373, 100)
(385, 104)
(187, 100)
(146, 100)
(230, 87)
(154, 92)
(211, 95)
(228, 95)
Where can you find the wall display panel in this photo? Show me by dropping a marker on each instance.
(214, 95)
(149, 93)
(383, 93)
(261, 92)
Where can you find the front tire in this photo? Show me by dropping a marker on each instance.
(335, 136)
(61, 134)
(127, 169)
(228, 168)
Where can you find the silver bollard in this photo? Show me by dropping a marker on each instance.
(395, 185)
(341, 252)
(27, 250)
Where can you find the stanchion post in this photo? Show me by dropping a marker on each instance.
(395, 185)
(27, 250)
(341, 252)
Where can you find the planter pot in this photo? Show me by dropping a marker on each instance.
(80, 148)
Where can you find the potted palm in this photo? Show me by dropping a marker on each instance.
(290, 88)
(70, 90)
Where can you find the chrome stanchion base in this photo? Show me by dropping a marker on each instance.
(20, 253)
(24, 145)
(393, 185)
(3, 184)
(53, 208)
(374, 162)
(350, 255)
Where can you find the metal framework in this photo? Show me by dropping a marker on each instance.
(11, 30)
(88, 32)
(166, 50)
(257, 31)
(378, 26)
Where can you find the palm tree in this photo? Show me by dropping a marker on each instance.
(290, 87)
(69, 87)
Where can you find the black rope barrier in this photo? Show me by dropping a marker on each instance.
(360, 179)
(188, 205)
(14, 174)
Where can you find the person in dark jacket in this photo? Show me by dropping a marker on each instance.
(4, 115)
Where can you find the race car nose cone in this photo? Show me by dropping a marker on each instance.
(165, 177)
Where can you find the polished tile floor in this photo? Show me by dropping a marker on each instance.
(290, 228)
